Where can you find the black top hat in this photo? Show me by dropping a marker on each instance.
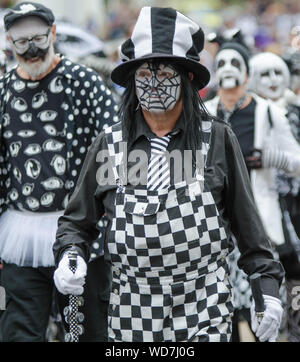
(163, 33)
(26, 9)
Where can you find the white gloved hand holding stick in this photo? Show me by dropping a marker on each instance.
(67, 282)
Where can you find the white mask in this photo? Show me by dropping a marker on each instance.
(158, 87)
(231, 70)
(269, 75)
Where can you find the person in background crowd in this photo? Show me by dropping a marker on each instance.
(51, 111)
(249, 117)
(270, 78)
(168, 235)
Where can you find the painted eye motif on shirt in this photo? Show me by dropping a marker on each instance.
(59, 164)
(19, 104)
(6, 120)
(27, 189)
(33, 168)
(14, 148)
(19, 86)
(14, 195)
(7, 96)
(47, 116)
(27, 133)
(51, 130)
(32, 203)
(39, 99)
(8, 134)
(69, 185)
(47, 199)
(56, 86)
(8, 183)
(52, 183)
(33, 149)
(17, 174)
(53, 146)
(33, 85)
(26, 117)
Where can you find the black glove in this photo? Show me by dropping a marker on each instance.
(254, 160)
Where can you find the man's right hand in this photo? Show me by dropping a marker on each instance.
(68, 282)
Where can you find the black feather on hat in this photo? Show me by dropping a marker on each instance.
(163, 33)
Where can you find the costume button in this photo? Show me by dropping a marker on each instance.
(116, 292)
(114, 307)
(118, 273)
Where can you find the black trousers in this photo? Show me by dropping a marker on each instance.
(29, 301)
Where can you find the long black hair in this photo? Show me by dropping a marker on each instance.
(194, 110)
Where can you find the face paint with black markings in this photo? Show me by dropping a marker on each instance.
(158, 87)
(231, 70)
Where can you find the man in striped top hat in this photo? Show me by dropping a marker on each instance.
(176, 186)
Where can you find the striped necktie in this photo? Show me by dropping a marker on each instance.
(158, 170)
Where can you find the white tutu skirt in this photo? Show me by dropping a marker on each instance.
(26, 238)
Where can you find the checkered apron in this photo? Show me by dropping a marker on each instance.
(168, 250)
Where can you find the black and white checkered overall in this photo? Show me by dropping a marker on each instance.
(168, 250)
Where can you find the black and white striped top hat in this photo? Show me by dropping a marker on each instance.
(163, 33)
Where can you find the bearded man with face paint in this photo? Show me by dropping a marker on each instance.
(168, 235)
(267, 145)
(51, 110)
(272, 79)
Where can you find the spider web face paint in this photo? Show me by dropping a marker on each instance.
(158, 87)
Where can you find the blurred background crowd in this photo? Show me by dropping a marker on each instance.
(97, 27)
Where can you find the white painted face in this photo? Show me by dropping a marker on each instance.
(158, 87)
(27, 28)
(269, 75)
(231, 70)
(33, 59)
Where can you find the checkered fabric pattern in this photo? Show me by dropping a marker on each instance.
(196, 310)
(74, 332)
(159, 242)
(73, 335)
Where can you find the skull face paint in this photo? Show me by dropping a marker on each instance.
(231, 70)
(269, 75)
(158, 87)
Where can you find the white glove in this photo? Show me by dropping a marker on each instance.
(282, 160)
(267, 329)
(68, 282)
